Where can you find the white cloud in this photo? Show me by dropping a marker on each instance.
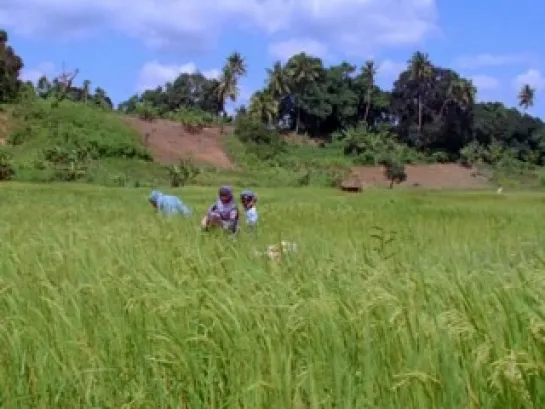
(45, 68)
(154, 74)
(532, 77)
(485, 82)
(391, 69)
(491, 60)
(353, 26)
(285, 49)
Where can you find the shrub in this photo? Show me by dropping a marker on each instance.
(183, 173)
(146, 112)
(394, 170)
(6, 166)
(260, 140)
(372, 147)
(68, 165)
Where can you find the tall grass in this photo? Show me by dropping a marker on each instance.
(393, 300)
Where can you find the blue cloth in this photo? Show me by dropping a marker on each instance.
(169, 205)
(251, 216)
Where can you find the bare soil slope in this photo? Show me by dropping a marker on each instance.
(170, 141)
(438, 176)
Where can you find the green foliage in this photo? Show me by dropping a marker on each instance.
(192, 117)
(76, 127)
(472, 154)
(146, 112)
(431, 110)
(260, 140)
(62, 143)
(10, 67)
(7, 170)
(183, 173)
(68, 165)
(447, 283)
(394, 170)
(372, 148)
(185, 99)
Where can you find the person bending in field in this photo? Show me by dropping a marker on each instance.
(168, 205)
(224, 213)
(249, 200)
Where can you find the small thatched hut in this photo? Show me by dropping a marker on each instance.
(352, 184)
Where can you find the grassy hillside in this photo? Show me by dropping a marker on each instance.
(76, 142)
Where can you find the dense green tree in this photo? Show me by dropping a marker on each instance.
(10, 67)
(277, 81)
(187, 91)
(304, 74)
(263, 107)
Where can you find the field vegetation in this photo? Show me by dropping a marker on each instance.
(392, 300)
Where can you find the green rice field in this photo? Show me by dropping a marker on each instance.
(394, 299)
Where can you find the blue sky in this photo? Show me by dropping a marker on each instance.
(125, 46)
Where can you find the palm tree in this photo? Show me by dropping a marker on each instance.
(526, 96)
(86, 89)
(237, 64)
(302, 70)
(277, 81)
(421, 71)
(369, 71)
(263, 107)
(227, 89)
(467, 93)
(461, 92)
(227, 86)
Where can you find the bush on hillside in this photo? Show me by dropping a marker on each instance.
(373, 147)
(472, 154)
(192, 117)
(146, 112)
(260, 140)
(7, 170)
(76, 127)
(67, 165)
(183, 173)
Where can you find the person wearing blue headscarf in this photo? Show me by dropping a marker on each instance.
(168, 205)
(223, 213)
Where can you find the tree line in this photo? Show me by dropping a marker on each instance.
(431, 109)
(12, 88)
